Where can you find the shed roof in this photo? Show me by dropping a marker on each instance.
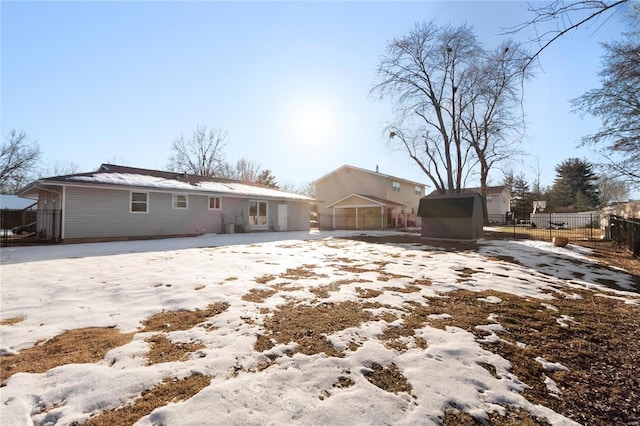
(368, 200)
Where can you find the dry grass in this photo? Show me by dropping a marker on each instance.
(388, 378)
(82, 345)
(11, 321)
(163, 350)
(170, 390)
(308, 325)
(181, 320)
(599, 345)
(595, 337)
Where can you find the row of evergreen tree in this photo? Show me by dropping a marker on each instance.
(576, 188)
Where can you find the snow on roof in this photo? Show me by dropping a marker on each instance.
(204, 185)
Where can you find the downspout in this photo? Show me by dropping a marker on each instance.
(64, 212)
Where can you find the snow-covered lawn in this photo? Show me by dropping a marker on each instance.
(260, 370)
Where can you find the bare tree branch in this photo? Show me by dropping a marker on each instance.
(18, 161)
(567, 16)
(202, 154)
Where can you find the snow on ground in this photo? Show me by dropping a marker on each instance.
(59, 288)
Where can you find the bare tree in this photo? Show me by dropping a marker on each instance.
(18, 161)
(244, 170)
(612, 190)
(493, 118)
(201, 154)
(553, 20)
(303, 189)
(62, 167)
(617, 103)
(457, 104)
(423, 74)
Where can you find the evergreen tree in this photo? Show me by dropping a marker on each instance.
(574, 188)
(267, 179)
(522, 199)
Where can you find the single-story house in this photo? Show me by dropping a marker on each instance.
(119, 202)
(354, 198)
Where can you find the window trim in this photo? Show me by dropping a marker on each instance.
(266, 216)
(219, 203)
(174, 201)
(146, 202)
(395, 186)
(418, 190)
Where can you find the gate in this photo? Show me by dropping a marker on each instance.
(31, 227)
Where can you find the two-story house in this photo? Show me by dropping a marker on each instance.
(354, 198)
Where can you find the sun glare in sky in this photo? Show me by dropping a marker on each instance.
(312, 121)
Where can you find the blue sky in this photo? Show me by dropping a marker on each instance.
(117, 82)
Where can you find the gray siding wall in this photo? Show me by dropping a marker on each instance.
(105, 213)
(92, 213)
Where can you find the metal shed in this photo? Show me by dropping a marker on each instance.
(451, 216)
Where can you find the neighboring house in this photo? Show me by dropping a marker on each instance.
(118, 202)
(498, 202)
(354, 198)
(13, 202)
(16, 211)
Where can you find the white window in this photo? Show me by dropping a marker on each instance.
(396, 186)
(214, 203)
(418, 190)
(179, 201)
(489, 198)
(139, 202)
(257, 213)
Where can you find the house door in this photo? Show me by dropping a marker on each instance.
(282, 217)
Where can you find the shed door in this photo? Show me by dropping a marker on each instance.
(282, 217)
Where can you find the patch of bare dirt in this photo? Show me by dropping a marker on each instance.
(170, 390)
(84, 345)
(181, 320)
(163, 350)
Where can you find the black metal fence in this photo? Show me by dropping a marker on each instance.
(20, 227)
(545, 226)
(626, 232)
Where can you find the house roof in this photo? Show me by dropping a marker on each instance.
(346, 166)
(115, 175)
(372, 200)
(13, 202)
